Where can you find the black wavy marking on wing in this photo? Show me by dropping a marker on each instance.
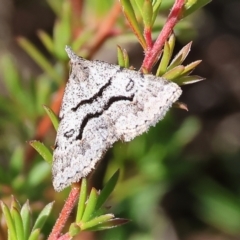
(90, 116)
(96, 95)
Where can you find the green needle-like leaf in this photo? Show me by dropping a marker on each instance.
(15, 204)
(147, 13)
(181, 56)
(38, 58)
(126, 58)
(74, 229)
(46, 40)
(42, 217)
(62, 31)
(34, 235)
(56, 7)
(38, 173)
(42, 150)
(130, 15)
(82, 200)
(83, 38)
(156, 7)
(90, 206)
(139, 4)
(94, 222)
(171, 42)
(190, 67)
(18, 224)
(52, 116)
(120, 57)
(188, 80)
(173, 73)
(111, 223)
(9, 221)
(164, 60)
(26, 219)
(193, 5)
(107, 190)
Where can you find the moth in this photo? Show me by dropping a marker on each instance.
(104, 103)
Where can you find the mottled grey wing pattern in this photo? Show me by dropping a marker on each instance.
(104, 103)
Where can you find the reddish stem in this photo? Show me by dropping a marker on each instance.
(65, 237)
(153, 53)
(76, 9)
(105, 28)
(148, 37)
(67, 209)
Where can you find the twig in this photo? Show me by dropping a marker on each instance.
(153, 53)
(67, 209)
(105, 29)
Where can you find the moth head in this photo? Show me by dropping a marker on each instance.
(79, 72)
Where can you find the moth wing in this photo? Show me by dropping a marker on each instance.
(153, 96)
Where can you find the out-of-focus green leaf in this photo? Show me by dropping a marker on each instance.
(38, 173)
(16, 160)
(81, 39)
(62, 32)
(218, 207)
(38, 58)
(186, 133)
(42, 150)
(13, 83)
(46, 40)
(56, 6)
(43, 92)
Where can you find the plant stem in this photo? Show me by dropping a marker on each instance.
(105, 29)
(67, 209)
(148, 37)
(65, 237)
(152, 54)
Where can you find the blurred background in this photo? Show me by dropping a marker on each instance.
(181, 180)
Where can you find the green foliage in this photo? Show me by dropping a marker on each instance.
(151, 165)
(91, 213)
(18, 220)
